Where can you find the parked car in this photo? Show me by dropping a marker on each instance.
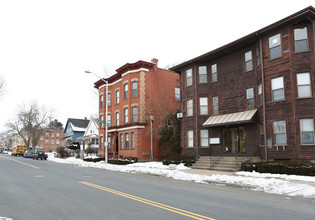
(29, 154)
(40, 155)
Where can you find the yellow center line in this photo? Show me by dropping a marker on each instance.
(149, 202)
(30, 165)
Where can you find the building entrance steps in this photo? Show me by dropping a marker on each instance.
(221, 163)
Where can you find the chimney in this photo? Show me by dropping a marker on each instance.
(85, 118)
(155, 61)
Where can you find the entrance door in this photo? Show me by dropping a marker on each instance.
(233, 139)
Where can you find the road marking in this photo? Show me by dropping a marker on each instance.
(149, 202)
(30, 165)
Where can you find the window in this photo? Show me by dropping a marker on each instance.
(262, 135)
(250, 98)
(132, 140)
(215, 105)
(189, 77)
(101, 101)
(108, 119)
(102, 118)
(214, 74)
(307, 131)
(260, 96)
(277, 89)
(177, 94)
(300, 39)
(121, 141)
(117, 118)
(190, 135)
(304, 85)
(52, 142)
(101, 143)
(279, 130)
(108, 99)
(203, 106)
(126, 91)
(248, 61)
(135, 114)
(108, 142)
(117, 96)
(57, 142)
(274, 46)
(47, 135)
(258, 61)
(126, 141)
(134, 89)
(189, 107)
(46, 142)
(126, 115)
(57, 135)
(52, 135)
(41, 138)
(204, 138)
(202, 74)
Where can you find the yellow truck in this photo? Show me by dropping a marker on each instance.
(18, 150)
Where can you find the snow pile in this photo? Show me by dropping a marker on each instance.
(290, 185)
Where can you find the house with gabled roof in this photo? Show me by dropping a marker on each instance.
(74, 129)
(90, 136)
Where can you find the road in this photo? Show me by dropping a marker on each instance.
(31, 189)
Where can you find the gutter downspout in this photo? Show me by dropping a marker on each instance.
(196, 113)
(263, 96)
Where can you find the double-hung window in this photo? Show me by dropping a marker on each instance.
(274, 46)
(260, 96)
(280, 133)
(101, 101)
(117, 118)
(121, 141)
(177, 94)
(307, 131)
(250, 98)
(248, 61)
(126, 141)
(117, 96)
(277, 89)
(135, 114)
(126, 91)
(215, 105)
(132, 140)
(189, 77)
(190, 111)
(304, 85)
(204, 138)
(202, 74)
(203, 105)
(134, 89)
(190, 137)
(214, 73)
(108, 99)
(102, 118)
(126, 115)
(300, 39)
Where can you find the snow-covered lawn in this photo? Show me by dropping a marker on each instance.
(290, 185)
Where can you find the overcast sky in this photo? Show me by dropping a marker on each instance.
(46, 45)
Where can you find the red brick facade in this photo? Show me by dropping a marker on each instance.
(151, 92)
(50, 140)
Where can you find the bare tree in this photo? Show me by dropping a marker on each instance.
(30, 123)
(2, 86)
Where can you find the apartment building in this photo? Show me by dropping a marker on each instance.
(138, 94)
(253, 96)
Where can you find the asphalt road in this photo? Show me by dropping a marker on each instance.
(31, 189)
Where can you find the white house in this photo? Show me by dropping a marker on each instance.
(90, 136)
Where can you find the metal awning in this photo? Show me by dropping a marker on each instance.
(233, 118)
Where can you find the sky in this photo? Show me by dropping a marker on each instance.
(46, 45)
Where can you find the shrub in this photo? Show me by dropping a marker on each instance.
(62, 152)
(97, 159)
(291, 167)
(187, 161)
(123, 161)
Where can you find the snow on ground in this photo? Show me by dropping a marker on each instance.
(290, 185)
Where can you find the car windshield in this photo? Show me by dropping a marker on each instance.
(30, 151)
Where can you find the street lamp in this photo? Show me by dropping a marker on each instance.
(106, 130)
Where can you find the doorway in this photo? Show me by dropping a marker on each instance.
(234, 139)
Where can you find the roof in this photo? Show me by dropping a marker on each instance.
(233, 118)
(249, 39)
(127, 67)
(78, 124)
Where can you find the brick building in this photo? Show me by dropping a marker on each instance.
(254, 96)
(136, 92)
(50, 140)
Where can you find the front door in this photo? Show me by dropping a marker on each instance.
(233, 139)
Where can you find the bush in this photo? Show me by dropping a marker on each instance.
(187, 161)
(290, 167)
(123, 161)
(62, 152)
(98, 159)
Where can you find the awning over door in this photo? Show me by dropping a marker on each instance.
(233, 118)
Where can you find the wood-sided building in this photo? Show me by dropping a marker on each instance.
(254, 96)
